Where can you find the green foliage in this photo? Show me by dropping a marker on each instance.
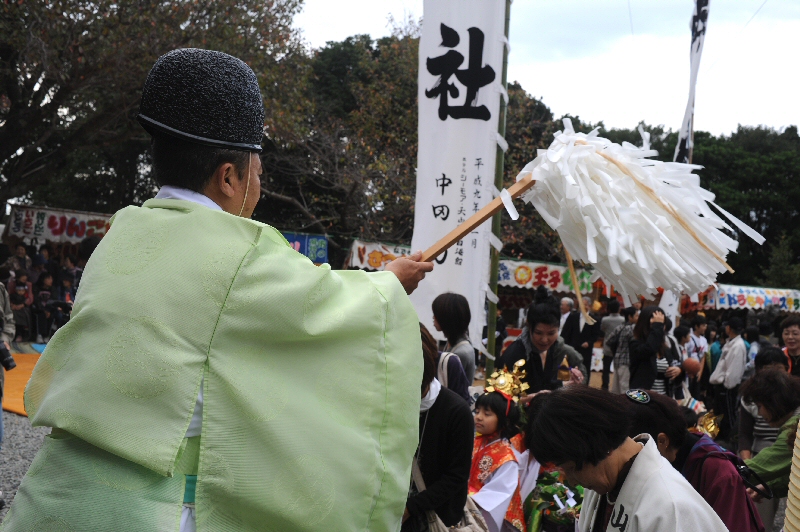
(71, 73)
(349, 172)
(529, 127)
(784, 269)
(341, 128)
(754, 174)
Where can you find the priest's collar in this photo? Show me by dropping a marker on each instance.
(178, 193)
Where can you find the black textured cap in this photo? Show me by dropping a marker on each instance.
(206, 97)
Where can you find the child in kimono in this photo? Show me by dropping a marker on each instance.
(528, 466)
(494, 476)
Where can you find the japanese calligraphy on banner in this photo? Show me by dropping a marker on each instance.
(373, 255)
(534, 274)
(460, 71)
(37, 224)
(743, 297)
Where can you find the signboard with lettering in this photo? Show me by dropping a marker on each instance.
(519, 274)
(35, 225)
(315, 247)
(373, 255)
(753, 297)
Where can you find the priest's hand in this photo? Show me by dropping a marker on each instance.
(409, 270)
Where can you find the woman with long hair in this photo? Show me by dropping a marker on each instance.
(652, 365)
(451, 316)
(444, 454)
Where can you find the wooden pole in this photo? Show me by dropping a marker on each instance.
(491, 318)
(489, 210)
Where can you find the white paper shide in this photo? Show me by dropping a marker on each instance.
(642, 223)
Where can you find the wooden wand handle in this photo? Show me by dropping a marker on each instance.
(489, 210)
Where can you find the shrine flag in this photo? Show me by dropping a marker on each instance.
(460, 86)
(699, 23)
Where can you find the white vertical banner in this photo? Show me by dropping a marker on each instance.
(699, 24)
(460, 86)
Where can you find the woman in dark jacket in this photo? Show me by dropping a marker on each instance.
(646, 347)
(444, 455)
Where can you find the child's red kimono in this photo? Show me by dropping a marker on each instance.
(500, 501)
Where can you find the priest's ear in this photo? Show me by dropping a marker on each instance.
(226, 180)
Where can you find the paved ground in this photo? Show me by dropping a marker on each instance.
(20, 444)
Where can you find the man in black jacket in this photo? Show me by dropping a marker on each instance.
(444, 455)
(570, 325)
(588, 334)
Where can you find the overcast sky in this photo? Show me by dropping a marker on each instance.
(600, 61)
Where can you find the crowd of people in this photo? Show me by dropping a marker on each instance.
(500, 453)
(40, 289)
(286, 397)
(630, 455)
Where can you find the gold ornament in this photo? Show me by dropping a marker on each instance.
(709, 424)
(508, 383)
(564, 374)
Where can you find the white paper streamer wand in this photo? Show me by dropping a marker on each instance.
(650, 192)
(640, 222)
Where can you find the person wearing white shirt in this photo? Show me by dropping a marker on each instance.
(698, 345)
(728, 375)
(566, 308)
(697, 348)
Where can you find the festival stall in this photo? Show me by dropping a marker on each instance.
(734, 297)
(35, 226)
(62, 229)
(315, 247)
(517, 279)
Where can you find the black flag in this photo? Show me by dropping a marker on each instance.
(699, 22)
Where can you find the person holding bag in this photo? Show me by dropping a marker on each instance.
(441, 467)
(449, 371)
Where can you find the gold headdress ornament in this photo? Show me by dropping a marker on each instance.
(508, 384)
(709, 424)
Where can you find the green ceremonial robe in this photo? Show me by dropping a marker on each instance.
(311, 388)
